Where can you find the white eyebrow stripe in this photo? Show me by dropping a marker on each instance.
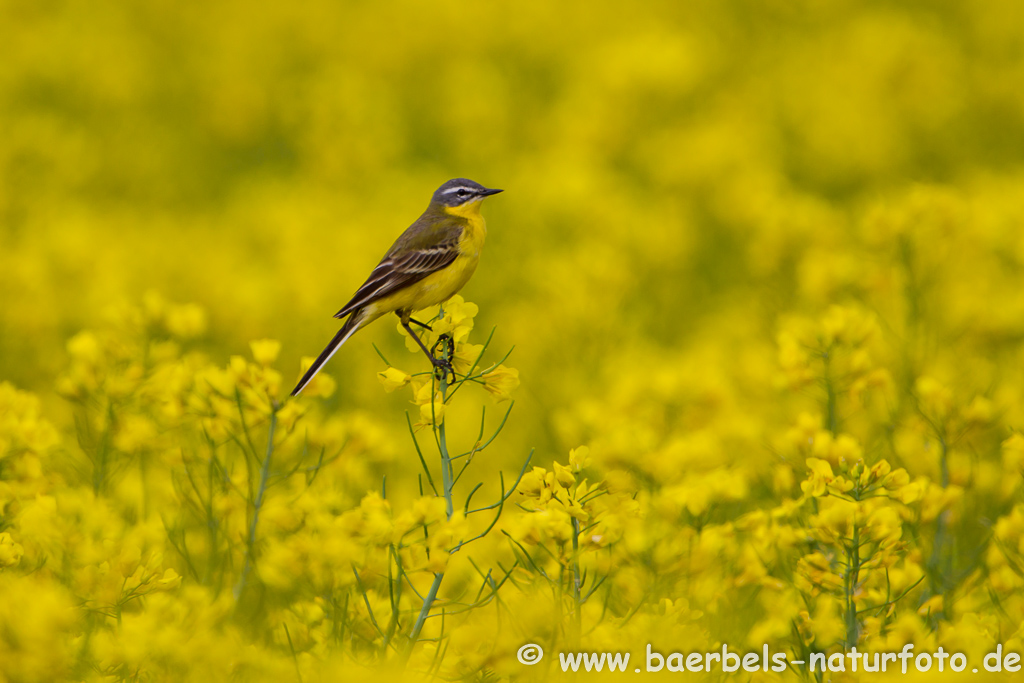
(450, 190)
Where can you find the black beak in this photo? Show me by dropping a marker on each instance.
(488, 193)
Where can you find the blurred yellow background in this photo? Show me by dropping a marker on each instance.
(660, 163)
(691, 190)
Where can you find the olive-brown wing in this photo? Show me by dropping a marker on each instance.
(396, 272)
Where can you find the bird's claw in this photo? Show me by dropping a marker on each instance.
(442, 368)
(449, 345)
(443, 364)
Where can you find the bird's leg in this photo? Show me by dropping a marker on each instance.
(414, 321)
(438, 363)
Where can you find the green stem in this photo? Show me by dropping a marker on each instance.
(100, 464)
(446, 482)
(257, 504)
(944, 460)
(428, 601)
(446, 460)
(211, 524)
(577, 605)
(852, 578)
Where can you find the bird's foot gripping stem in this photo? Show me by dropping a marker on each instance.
(443, 364)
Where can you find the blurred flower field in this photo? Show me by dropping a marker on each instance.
(743, 362)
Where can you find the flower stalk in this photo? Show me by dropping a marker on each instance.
(446, 483)
(250, 547)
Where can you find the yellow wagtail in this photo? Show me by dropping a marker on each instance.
(430, 262)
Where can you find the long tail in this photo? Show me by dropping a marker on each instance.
(354, 322)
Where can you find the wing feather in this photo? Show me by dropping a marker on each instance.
(396, 272)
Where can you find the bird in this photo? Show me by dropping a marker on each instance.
(430, 262)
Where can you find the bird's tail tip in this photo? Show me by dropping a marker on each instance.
(347, 330)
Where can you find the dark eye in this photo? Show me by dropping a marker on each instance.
(462, 193)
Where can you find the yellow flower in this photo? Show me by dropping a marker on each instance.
(373, 520)
(501, 382)
(816, 570)
(835, 519)
(884, 524)
(576, 510)
(264, 351)
(458, 318)
(535, 484)
(443, 536)
(431, 414)
(217, 381)
(937, 499)
(564, 475)
(322, 386)
(10, 552)
(979, 410)
(794, 360)
(877, 378)
(844, 325)
(423, 391)
(837, 450)
(457, 322)
(393, 378)
(911, 492)
(186, 320)
(85, 347)
(896, 480)
(876, 472)
(801, 435)
(428, 509)
(1013, 452)
(466, 355)
(135, 433)
(932, 605)
(846, 449)
(821, 477)
(827, 626)
(38, 619)
(129, 560)
(169, 581)
(288, 414)
(430, 403)
(579, 458)
(936, 399)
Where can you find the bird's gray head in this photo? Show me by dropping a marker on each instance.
(461, 191)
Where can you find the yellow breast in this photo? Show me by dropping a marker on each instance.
(440, 286)
(472, 241)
